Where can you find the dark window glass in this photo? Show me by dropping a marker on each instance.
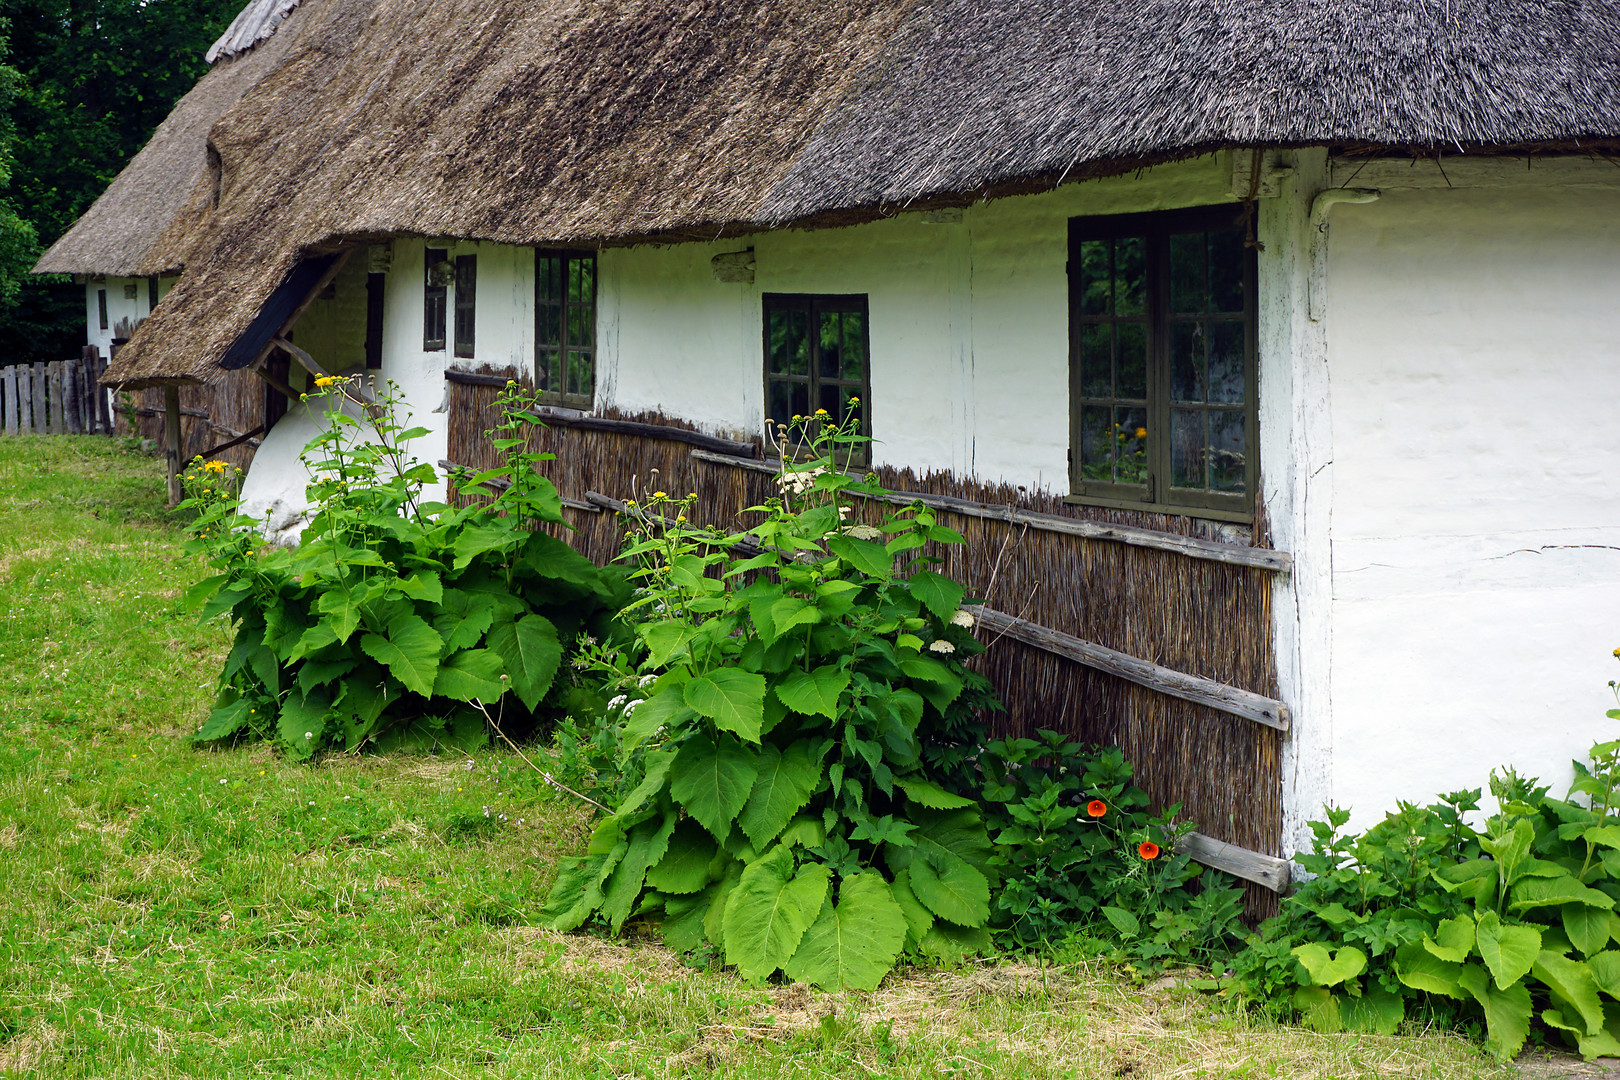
(1163, 360)
(101, 305)
(376, 286)
(151, 294)
(565, 326)
(435, 294)
(466, 303)
(816, 355)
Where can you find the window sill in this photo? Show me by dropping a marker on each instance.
(1241, 517)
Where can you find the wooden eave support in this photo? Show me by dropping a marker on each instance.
(1259, 558)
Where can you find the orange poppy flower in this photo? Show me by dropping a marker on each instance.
(1148, 849)
(1096, 808)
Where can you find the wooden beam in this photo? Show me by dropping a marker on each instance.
(1194, 688)
(286, 391)
(304, 359)
(237, 441)
(707, 443)
(1210, 550)
(1476, 171)
(473, 378)
(1268, 870)
(171, 441)
(303, 306)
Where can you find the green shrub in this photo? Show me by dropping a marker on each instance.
(779, 710)
(1422, 914)
(395, 620)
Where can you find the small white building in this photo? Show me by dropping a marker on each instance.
(1301, 400)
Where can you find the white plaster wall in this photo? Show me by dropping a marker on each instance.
(333, 328)
(1474, 366)
(119, 307)
(947, 301)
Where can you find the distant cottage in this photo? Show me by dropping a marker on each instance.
(1268, 354)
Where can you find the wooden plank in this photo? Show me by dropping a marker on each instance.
(303, 306)
(215, 451)
(304, 359)
(1268, 870)
(171, 440)
(8, 387)
(1195, 688)
(72, 399)
(1476, 171)
(1210, 550)
(286, 391)
(56, 378)
(709, 443)
(104, 410)
(473, 378)
(30, 400)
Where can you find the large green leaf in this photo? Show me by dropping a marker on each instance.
(474, 540)
(919, 920)
(652, 781)
(733, 699)
(302, 720)
(1508, 949)
(769, 911)
(786, 779)
(855, 942)
(950, 943)
(925, 793)
(951, 889)
(941, 835)
(1605, 969)
(226, 719)
(864, 555)
(683, 919)
(1420, 969)
(1572, 984)
(1318, 1009)
(712, 779)
(342, 608)
(685, 865)
(1453, 939)
(470, 675)
(1507, 1011)
(648, 842)
(577, 891)
(1377, 1010)
(1330, 969)
(814, 693)
(665, 709)
(410, 652)
(531, 652)
(1539, 892)
(937, 593)
(1587, 927)
(462, 619)
(550, 557)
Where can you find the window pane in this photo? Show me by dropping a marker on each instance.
(1094, 277)
(1187, 451)
(1226, 270)
(1226, 451)
(1187, 273)
(584, 280)
(1187, 361)
(781, 404)
(829, 340)
(1226, 378)
(1130, 275)
(1132, 360)
(550, 329)
(548, 277)
(799, 361)
(545, 370)
(778, 334)
(832, 399)
(579, 374)
(1130, 440)
(1096, 366)
(799, 400)
(854, 347)
(1096, 443)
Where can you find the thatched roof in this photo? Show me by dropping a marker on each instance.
(611, 121)
(138, 225)
(252, 25)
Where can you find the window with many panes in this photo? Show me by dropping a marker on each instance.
(466, 303)
(565, 326)
(435, 296)
(815, 355)
(1162, 362)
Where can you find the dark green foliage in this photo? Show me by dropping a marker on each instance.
(777, 708)
(395, 621)
(1424, 915)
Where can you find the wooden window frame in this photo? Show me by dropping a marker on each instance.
(435, 301)
(466, 305)
(376, 290)
(814, 304)
(1157, 495)
(545, 378)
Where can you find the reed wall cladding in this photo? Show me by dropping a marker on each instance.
(235, 402)
(1197, 616)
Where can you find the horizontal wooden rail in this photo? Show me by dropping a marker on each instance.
(473, 378)
(1260, 558)
(1268, 870)
(196, 414)
(723, 447)
(500, 483)
(237, 439)
(1195, 688)
(745, 547)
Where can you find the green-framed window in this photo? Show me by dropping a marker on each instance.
(1163, 360)
(565, 327)
(817, 355)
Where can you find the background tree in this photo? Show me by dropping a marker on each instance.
(88, 82)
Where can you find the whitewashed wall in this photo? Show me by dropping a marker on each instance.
(120, 306)
(1474, 358)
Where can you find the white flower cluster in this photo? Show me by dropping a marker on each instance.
(623, 701)
(865, 532)
(962, 618)
(797, 483)
(942, 647)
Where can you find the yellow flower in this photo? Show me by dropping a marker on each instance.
(1141, 433)
(821, 412)
(679, 518)
(854, 401)
(327, 380)
(659, 495)
(215, 466)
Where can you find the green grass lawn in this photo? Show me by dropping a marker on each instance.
(168, 911)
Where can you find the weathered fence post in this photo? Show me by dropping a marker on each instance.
(171, 431)
(73, 396)
(55, 380)
(103, 413)
(8, 380)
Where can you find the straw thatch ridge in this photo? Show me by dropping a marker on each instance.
(255, 22)
(1206, 618)
(137, 227)
(604, 123)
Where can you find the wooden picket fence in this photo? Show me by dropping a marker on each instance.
(62, 397)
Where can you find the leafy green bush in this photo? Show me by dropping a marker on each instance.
(1422, 913)
(1085, 865)
(395, 620)
(779, 707)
